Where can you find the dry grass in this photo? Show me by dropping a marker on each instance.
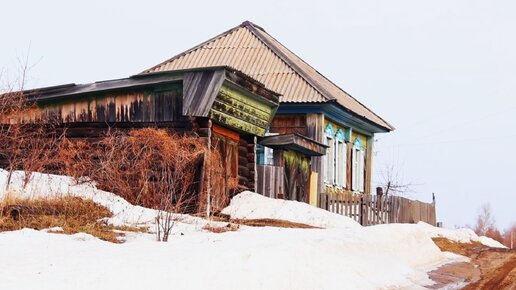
(272, 223)
(149, 167)
(218, 230)
(458, 248)
(72, 214)
(278, 223)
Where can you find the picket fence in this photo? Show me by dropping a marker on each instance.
(378, 209)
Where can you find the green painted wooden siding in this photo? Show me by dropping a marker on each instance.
(234, 109)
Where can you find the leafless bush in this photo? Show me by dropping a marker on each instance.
(509, 236)
(164, 223)
(392, 183)
(24, 146)
(149, 167)
(485, 225)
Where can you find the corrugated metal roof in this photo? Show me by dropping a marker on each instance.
(250, 49)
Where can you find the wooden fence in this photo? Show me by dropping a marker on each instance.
(374, 209)
(270, 181)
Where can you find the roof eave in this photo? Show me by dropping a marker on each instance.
(336, 112)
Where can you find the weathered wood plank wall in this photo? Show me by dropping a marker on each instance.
(270, 181)
(314, 130)
(289, 124)
(162, 105)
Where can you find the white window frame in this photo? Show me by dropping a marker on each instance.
(329, 158)
(268, 153)
(341, 160)
(268, 156)
(358, 167)
(329, 163)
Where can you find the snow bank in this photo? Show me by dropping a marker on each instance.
(343, 255)
(254, 258)
(54, 186)
(459, 235)
(250, 205)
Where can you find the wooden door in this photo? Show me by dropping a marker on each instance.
(225, 142)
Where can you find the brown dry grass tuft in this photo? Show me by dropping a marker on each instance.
(272, 223)
(219, 230)
(72, 214)
(149, 167)
(458, 248)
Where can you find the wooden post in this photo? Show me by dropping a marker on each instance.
(255, 174)
(315, 127)
(208, 185)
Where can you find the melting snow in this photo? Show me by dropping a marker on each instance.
(343, 255)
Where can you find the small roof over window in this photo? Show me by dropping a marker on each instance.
(295, 142)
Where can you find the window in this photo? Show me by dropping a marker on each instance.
(358, 164)
(264, 154)
(268, 156)
(329, 158)
(341, 159)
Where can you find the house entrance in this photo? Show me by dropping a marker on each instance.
(225, 142)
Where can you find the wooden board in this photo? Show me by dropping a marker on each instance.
(236, 110)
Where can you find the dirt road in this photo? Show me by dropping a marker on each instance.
(490, 268)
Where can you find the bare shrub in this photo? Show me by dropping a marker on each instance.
(148, 167)
(509, 236)
(392, 182)
(485, 225)
(23, 144)
(164, 223)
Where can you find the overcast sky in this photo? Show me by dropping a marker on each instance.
(442, 72)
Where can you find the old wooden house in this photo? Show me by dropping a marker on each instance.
(321, 139)
(221, 105)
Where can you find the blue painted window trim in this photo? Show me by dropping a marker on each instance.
(358, 143)
(329, 131)
(340, 135)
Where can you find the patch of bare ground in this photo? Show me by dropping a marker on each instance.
(278, 223)
(272, 223)
(221, 229)
(72, 214)
(490, 268)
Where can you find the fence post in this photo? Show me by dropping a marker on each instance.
(361, 211)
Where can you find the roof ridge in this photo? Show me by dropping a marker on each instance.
(307, 78)
(286, 59)
(229, 31)
(248, 23)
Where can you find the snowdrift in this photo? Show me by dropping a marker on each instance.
(250, 205)
(54, 186)
(340, 255)
(459, 235)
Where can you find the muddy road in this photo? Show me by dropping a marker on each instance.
(489, 268)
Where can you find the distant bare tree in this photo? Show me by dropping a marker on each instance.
(22, 145)
(509, 236)
(486, 225)
(392, 183)
(485, 220)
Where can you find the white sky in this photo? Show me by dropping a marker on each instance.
(442, 72)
